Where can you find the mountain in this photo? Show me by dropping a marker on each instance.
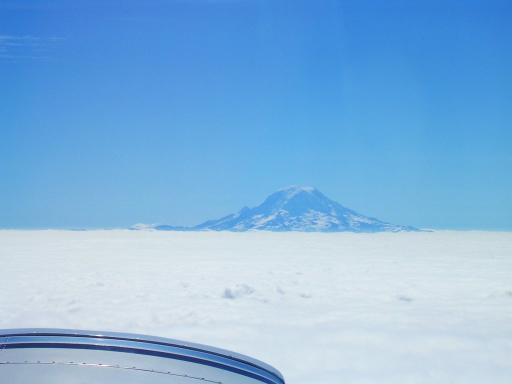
(296, 208)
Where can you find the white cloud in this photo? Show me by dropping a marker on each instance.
(20, 47)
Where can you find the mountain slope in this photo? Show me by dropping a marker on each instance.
(298, 208)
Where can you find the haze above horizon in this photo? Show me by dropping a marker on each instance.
(113, 113)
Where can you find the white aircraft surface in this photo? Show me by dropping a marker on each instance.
(49, 356)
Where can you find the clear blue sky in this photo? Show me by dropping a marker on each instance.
(177, 111)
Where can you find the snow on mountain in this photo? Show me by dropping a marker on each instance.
(296, 208)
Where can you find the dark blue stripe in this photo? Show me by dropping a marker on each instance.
(150, 342)
(140, 352)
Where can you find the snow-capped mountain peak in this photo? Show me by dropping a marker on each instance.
(293, 190)
(299, 208)
(294, 208)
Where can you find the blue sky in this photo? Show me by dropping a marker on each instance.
(118, 112)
